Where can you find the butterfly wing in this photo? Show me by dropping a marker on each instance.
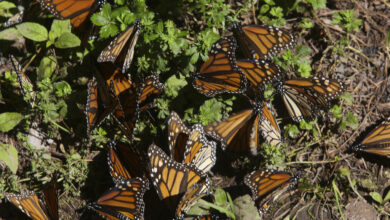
(269, 127)
(226, 130)
(169, 177)
(124, 200)
(30, 204)
(76, 11)
(151, 88)
(190, 197)
(51, 199)
(117, 169)
(377, 141)
(199, 151)
(114, 52)
(220, 73)
(127, 112)
(319, 90)
(260, 72)
(97, 109)
(177, 136)
(262, 42)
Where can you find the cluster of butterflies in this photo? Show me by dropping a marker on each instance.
(224, 73)
(180, 179)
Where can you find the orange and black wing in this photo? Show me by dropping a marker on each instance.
(76, 10)
(220, 73)
(190, 197)
(262, 42)
(234, 131)
(125, 201)
(200, 151)
(125, 161)
(260, 72)
(169, 177)
(115, 52)
(97, 108)
(377, 141)
(269, 127)
(177, 136)
(267, 184)
(30, 204)
(51, 198)
(304, 96)
(127, 112)
(149, 90)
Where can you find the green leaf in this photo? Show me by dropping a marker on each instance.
(220, 197)
(347, 97)
(63, 88)
(317, 4)
(46, 67)
(4, 8)
(8, 120)
(58, 27)
(387, 197)
(99, 20)
(292, 130)
(377, 197)
(10, 34)
(352, 121)
(33, 31)
(9, 155)
(67, 40)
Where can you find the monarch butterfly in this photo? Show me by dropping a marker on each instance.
(75, 10)
(151, 88)
(262, 42)
(240, 131)
(35, 208)
(125, 201)
(268, 185)
(220, 73)
(99, 104)
(171, 178)
(196, 192)
(125, 161)
(199, 151)
(114, 51)
(304, 96)
(190, 146)
(377, 141)
(177, 136)
(16, 19)
(130, 100)
(25, 83)
(260, 72)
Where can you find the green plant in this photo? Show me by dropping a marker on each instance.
(272, 14)
(346, 19)
(317, 4)
(300, 61)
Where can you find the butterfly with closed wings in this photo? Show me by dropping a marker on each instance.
(116, 51)
(240, 132)
(190, 146)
